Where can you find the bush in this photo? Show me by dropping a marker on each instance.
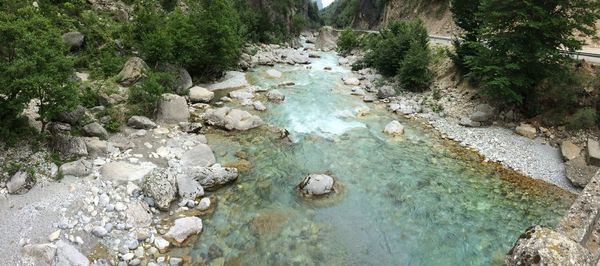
(347, 41)
(144, 97)
(584, 118)
(414, 73)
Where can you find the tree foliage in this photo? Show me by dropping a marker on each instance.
(347, 41)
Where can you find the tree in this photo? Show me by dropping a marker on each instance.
(523, 42)
(347, 41)
(33, 65)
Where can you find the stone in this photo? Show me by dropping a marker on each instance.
(175, 261)
(200, 155)
(482, 113)
(127, 256)
(96, 147)
(200, 95)
(386, 92)
(275, 96)
(188, 127)
(394, 129)
(68, 255)
(213, 177)
(72, 117)
(161, 244)
(173, 109)
(160, 185)
(183, 81)
(122, 172)
(358, 91)
(369, 98)
(69, 145)
(188, 188)
(141, 122)
(543, 246)
(272, 73)
(569, 150)
(351, 81)
(578, 172)
(593, 152)
(99, 231)
(317, 185)
(184, 228)
(138, 215)
(79, 168)
(232, 119)
(232, 79)
(467, 122)
(286, 84)
(95, 130)
(259, 106)
(18, 183)
(132, 71)
(74, 40)
(54, 235)
(241, 94)
(526, 130)
(204, 204)
(43, 254)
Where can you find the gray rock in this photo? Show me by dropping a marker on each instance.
(188, 187)
(43, 254)
(351, 81)
(213, 177)
(232, 79)
(74, 40)
(241, 94)
(175, 261)
(467, 122)
(173, 109)
(593, 152)
(543, 246)
(79, 168)
(140, 122)
(122, 172)
(184, 228)
(183, 81)
(200, 95)
(72, 117)
(95, 146)
(526, 130)
(160, 185)
(482, 113)
(99, 231)
(569, 150)
(95, 130)
(232, 119)
(273, 73)
(138, 215)
(578, 172)
(317, 185)
(198, 156)
(68, 255)
(19, 183)
(188, 127)
(358, 91)
(259, 106)
(369, 98)
(394, 128)
(132, 71)
(386, 92)
(69, 145)
(275, 96)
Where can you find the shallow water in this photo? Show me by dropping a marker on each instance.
(417, 200)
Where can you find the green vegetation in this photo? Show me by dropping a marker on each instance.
(511, 47)
(144, 97)
(347, 41)
(584, 118)
(402, 50)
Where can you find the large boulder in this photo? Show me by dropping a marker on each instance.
(132, 71)
(351, 81)
(188, 187)
(43, 254)
(482, 113)
(183, 81)
(593, 152)
(213, 177)
(200, 155)
(578, 172)
(232, 119)
(173, 109)
(232, 79)
(275, 96)
(160, 185)
(94, 129)
(543, 246)
(79, 168)
(526, 130)
(317, 185)
(68, 145)
(140, 122)
(200, 95)
(74, 40)
(386, 92)
(122, 172)
(71, 117)
(184, 228)
(394, 129)
(569, 150)
(96, 147)
(19, 183)
(68, 255)
(241, 94)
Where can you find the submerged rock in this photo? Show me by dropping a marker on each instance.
(184, 228)
(317, 185)
(543, 246)
(273, 73)
(213, 177)
(275, 96)
(394, 129)
(232, 119)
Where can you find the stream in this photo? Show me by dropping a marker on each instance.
(414, 200)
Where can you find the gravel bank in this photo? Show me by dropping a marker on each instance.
(530, 157)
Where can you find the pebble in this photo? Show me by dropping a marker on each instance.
(108, 227)
(175, 261)
(54, 236)
(132, 243)
(135, 262)
(99, 231)
(139, 252)
(161, 244)
(128, 256)
(119, 206)
(204, 204)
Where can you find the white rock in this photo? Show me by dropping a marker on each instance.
(184, 228)
(54, 236)
(161, 244)
(394, 128)
(200, 95)
(273, 73)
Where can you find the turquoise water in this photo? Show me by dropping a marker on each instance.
(416, 200)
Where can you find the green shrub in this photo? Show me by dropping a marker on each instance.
(584, 118)
(144, 97)
(347, 41)
(414, 73)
